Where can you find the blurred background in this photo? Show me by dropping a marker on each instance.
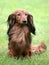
(40, 11)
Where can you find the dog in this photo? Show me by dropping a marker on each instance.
(21, 26)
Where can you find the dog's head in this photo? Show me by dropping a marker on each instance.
(22, 18)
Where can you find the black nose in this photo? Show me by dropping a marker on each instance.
(24, 22)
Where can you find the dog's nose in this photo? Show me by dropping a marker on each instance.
(24, 22)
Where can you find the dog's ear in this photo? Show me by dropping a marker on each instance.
(31, 24)
(11, 20)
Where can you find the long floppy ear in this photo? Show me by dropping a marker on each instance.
(11, 20)
(31, 24)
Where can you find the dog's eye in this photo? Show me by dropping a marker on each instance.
(18, 14)
(26, 14)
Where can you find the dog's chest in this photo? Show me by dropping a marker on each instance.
(26, 30)
(20, 34)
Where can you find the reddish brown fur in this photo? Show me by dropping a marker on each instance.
(38, 48)
(18, 41)
(19, 34)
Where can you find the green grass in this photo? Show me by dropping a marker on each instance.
(40, 11)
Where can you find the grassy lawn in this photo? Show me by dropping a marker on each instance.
(40, 12)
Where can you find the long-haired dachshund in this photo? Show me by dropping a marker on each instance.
(19, 32)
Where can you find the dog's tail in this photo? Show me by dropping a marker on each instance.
(38, 48)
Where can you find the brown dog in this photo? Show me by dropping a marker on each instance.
(20, 28)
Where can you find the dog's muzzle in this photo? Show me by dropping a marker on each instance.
(24, 22)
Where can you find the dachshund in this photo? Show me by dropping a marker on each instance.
(21, 26)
